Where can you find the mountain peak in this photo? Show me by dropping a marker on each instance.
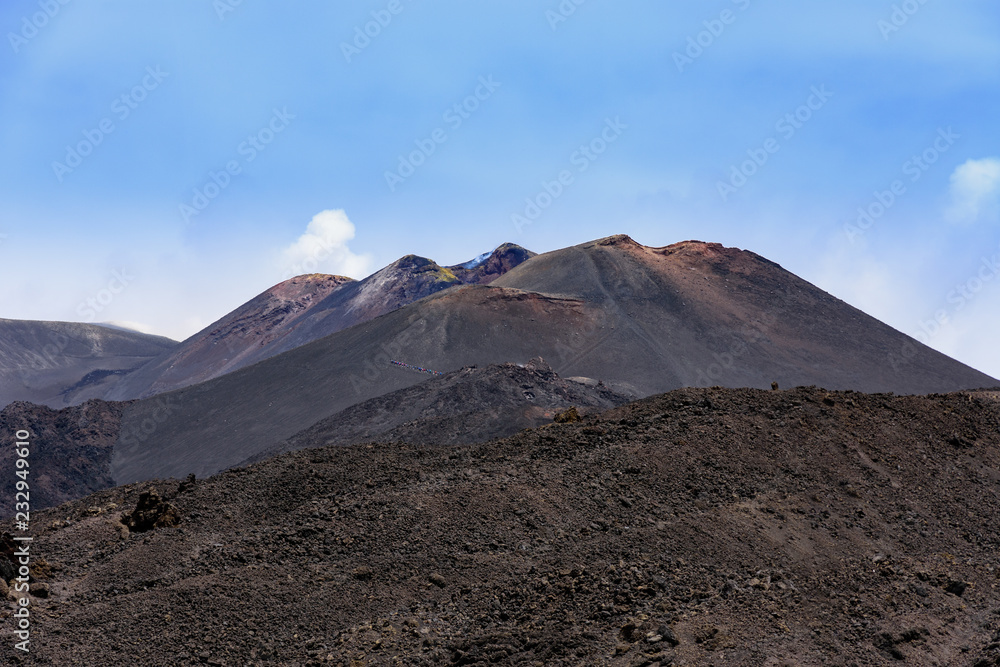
(489, 266)
(412, 261)
(615, 240)
(307, 282)
(698, 247)
(717, 255)
(510, 247)
(320, 277)
(306, 287)
(473, 263)
(410, 266)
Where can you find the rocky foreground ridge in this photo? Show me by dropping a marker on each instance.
(698, 527)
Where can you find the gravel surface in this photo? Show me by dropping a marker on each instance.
(697, 527)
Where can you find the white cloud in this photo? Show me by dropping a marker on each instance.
(899, 291)
(975, 187)
(967, 336)
(129, 326)
(323, 248)
(877, 285)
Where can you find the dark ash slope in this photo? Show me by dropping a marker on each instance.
(723, 527)
(462, 407)
(65, 363)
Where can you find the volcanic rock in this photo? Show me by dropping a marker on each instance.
(150, 512)
(497, 263)
(246, 335)
(70, 450)
(753, 487)
(462, 407)
(567, 416)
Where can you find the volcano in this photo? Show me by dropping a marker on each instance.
(303, 309)
(643, 320)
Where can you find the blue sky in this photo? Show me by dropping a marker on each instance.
(164, 162)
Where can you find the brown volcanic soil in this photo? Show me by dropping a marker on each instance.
(69, 453)
(462, 407)
(724, 316)
(242, 413)
(699, 527)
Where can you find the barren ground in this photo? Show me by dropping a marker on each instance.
(699, 527)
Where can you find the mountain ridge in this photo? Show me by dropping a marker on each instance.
(43, 362)
(300, 310)
(643, 320)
